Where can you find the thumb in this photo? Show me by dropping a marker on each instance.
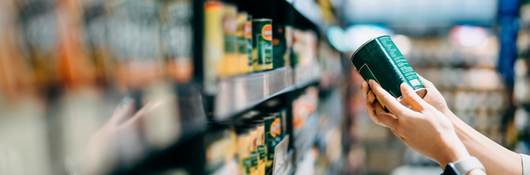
(410, 98)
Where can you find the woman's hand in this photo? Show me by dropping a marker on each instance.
(434, 97)
(415, 122)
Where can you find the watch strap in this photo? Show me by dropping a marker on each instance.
(464, 166)
(448, 170)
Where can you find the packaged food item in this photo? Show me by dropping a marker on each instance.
(288, 46)
(273, 136)
(262, 43)
(229, 62)
(244, 43)
(74, 68)
(380, 59)
(177, 32)
(97, 44)
(219, 151)
(15, 77)
(247, 32)
(261, 148)
(279, 44)
(243, 150)
(135, 43)
(39, 39)
(213, 43)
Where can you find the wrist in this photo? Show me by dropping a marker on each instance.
(450, 115)
(457, 122)
(453, 151)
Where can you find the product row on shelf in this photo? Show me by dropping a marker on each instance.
(176, 70)
(248, 147)
(301, 136)
(254, 56)
(456, 49)
(519, 137)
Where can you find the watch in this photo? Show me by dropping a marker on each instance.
(464, 166)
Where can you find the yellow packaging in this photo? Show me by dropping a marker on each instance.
(243, 144)
(213, 42)
(261, 149)
(249, 39)
(243, 46)
(253, 152)
(229, 65)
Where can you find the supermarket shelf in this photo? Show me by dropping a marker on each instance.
(305, 75)
(241, 93)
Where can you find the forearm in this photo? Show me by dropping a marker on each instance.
(497, 159)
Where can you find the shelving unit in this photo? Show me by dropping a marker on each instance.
(238, 94)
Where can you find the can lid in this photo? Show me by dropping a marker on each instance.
(365, 43)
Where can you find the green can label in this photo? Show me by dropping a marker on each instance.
(262, 32)
(247, 164)
(262, 152)
(272, 134)
(401, 64)
(254, 159)
(381, 60)
(231, 43)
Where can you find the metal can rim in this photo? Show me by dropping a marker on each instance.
(365, 43)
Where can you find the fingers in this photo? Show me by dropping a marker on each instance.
(122, 111)
(367, 94)
(364, 87)
(380, 117)
(371, 97)
(388, 100)
(141, 113)
(371, 113)
(386, 119)
(410, 98)
(428, 84)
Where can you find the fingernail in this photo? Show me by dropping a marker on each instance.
(371, 82)
(406, 86)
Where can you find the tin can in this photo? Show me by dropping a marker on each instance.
(247, 32)
(244, 28)
(213, 43)
(243, 151)
(262, 42)
(379, 59)
(228, 66)
(273, 136)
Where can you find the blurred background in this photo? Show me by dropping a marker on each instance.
(243, 87)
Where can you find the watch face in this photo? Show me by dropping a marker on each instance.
(449, 170)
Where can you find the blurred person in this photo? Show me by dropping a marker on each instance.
(118, 137)
(428, 126)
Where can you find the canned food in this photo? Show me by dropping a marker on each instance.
(244, 43)
(262, 43)
(273, 136)
(379, 59)
(247, 32)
